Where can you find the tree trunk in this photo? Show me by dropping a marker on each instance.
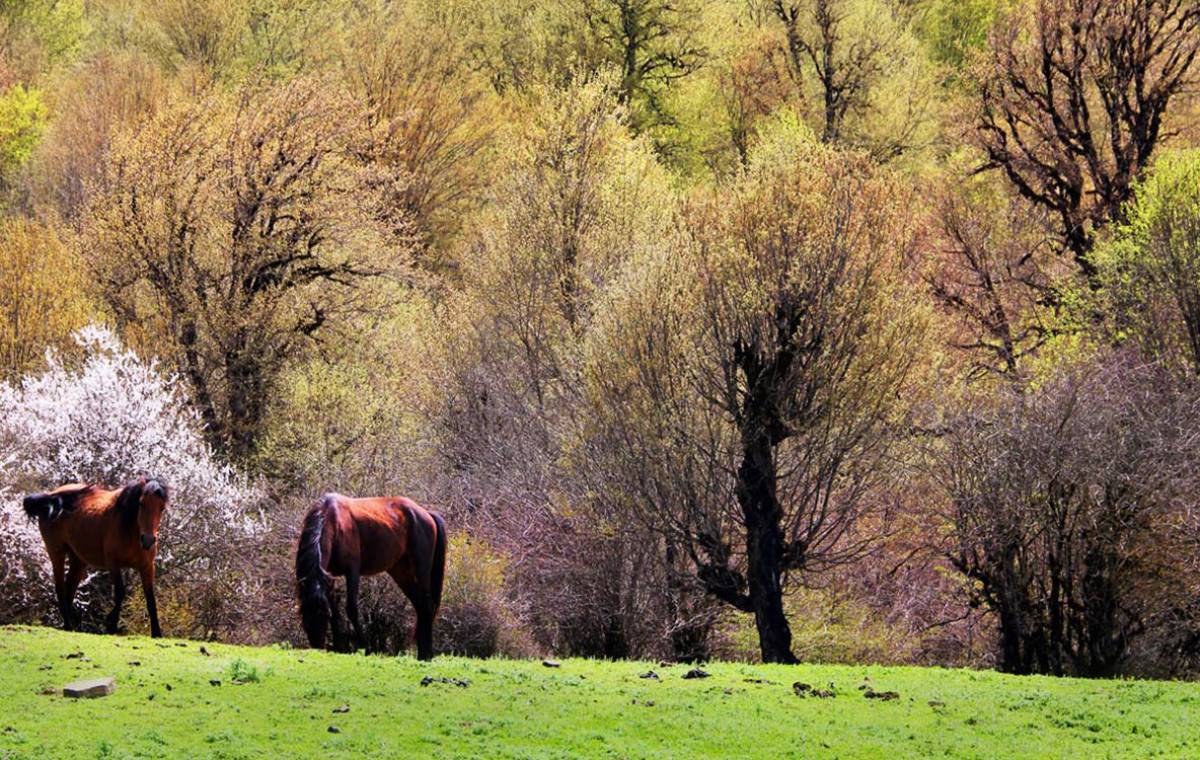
(247, 402)
(764, 545)
(214, 431)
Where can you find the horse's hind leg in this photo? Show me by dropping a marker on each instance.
(418, 594)
(424, 627)
(352, 577)
(118, 582)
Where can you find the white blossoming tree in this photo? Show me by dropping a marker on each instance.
(108, 419)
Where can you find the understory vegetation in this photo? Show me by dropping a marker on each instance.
(754, 330)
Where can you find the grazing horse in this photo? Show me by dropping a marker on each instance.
(357, 537)
(87, 526)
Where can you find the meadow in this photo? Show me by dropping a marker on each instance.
(185, 699)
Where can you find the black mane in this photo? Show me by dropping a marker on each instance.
(129, 501)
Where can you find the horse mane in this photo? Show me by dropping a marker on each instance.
(129, 500)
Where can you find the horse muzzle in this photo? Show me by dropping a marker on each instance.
(147, 541)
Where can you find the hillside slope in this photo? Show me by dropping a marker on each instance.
(279, 702)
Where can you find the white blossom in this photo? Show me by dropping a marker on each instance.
(113, 418)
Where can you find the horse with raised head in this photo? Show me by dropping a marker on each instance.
(349, 537)
(84, 525)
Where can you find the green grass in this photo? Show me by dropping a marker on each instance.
(275, 702)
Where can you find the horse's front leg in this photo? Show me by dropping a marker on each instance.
(58, 562)
(352, 577)
(118, 582)
(147, 573)
(75, 571)
(335, 621)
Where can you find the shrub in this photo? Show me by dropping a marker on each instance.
(111, 418)
(1071, 517)
(477, 618)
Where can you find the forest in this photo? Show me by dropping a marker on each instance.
(838, 331)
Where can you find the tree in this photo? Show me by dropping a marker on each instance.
(754, 411)
(47, 298)
(844, 69)
(957, 29)
(22, 119)
(754, 84)
(862, 69)
(108, 95)
(1151, 267)
(651, 43)
(995, 275)
(238, 230)
(38, 34)
(1067, 502)
(430, 123)
(1073, 100)
(205, 33)
(575, 197)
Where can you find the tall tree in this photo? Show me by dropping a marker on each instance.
(1073, 101)
(863, 70)
(1068, 506)
(430, 123)
(652, 43)
(1151, 266)
(755, 422)
(47, 296)
(239, 229)
(995, 273)
(844, 68)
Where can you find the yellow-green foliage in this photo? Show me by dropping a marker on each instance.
(349, 419)
(827, 627)
(479, 615)
(1151, 265)
(955, 30)
(37, 35)
(46, 295)
(22, 118)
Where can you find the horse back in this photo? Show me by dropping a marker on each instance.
(376, 535)
(84, 522)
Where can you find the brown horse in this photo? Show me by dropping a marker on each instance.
(87, 526)
(357, 537)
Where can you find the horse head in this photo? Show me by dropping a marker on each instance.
(144, 502)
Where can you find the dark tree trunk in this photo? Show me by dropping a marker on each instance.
(756, 492)
(214, 431)
(247, 400)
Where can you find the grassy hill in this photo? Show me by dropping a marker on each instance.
(182, 699)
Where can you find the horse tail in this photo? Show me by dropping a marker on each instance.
(41, 506)
(437, 573)
(54, 504)
(313, 582)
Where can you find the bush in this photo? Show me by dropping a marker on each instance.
(112, 418)
(477, 617)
